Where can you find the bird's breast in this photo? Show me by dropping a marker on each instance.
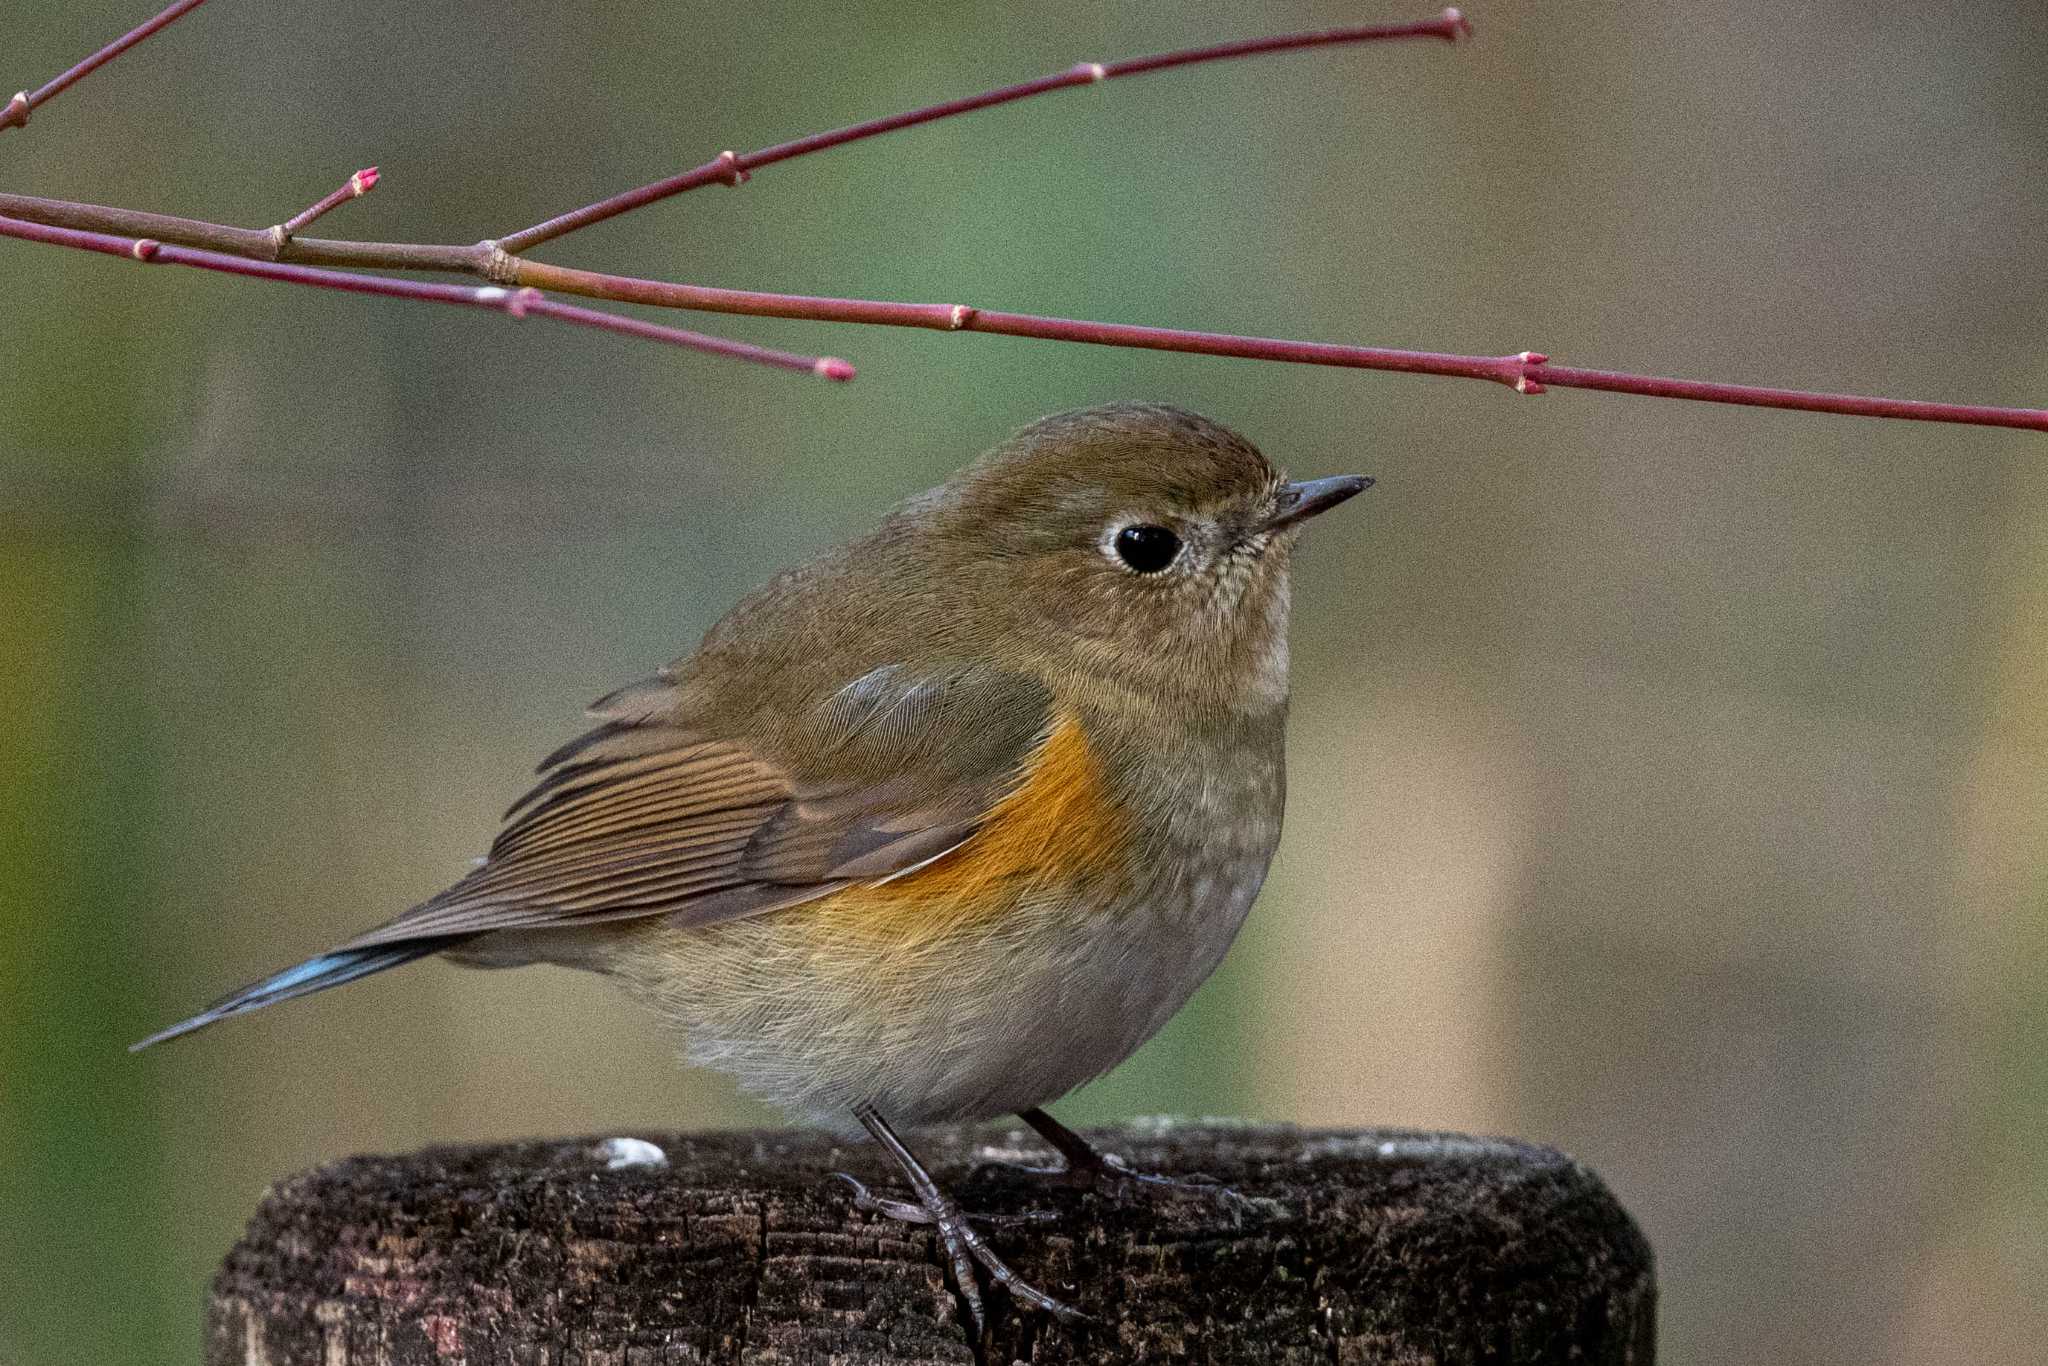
(1060, 832)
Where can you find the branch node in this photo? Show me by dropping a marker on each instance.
(960, 316)
(497, 265)
(15, 115)
(144, 249)
(1519, 363)
(1094, 71)
(522, 300)
(730, 171)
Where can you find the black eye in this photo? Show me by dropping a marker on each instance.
(1147, 549)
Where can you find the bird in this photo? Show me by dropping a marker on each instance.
(938, 825)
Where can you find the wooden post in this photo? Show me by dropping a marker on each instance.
(1351, 1247)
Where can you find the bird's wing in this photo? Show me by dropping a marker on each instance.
(652, 814)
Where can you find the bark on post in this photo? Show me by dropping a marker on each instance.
(1351, 1247)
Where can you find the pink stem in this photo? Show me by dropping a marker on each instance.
(1526, 372)
(732, 168)
(355, 187)
(1539, 373)
(17, 110)
(516, 302)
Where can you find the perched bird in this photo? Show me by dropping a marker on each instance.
(941, 824)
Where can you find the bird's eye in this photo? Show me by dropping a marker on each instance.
(1147, 549)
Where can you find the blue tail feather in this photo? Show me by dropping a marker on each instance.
(315, 974)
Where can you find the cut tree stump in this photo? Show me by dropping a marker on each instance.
(1349, 1247)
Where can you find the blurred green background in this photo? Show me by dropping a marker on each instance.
(1668, 779)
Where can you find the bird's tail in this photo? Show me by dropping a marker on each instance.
(315, 974)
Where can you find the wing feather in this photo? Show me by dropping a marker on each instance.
(649, 814)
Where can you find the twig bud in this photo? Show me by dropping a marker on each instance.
(1524, 382)
(728, 162)
(355, 187)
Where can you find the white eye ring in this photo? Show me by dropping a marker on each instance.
(1144, 548)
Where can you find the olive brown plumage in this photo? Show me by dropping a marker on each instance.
(942, 823)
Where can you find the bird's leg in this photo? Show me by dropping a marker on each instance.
(964, 1246)
(1088, 1166)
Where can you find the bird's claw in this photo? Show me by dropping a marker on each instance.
(909, 1212)
(1195, 1183)
(965, 1249)
(1109, 1170)
(868, 1202)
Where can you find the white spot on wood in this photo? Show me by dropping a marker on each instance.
(619, 1153)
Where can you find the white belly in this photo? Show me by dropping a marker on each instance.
(985, 1022)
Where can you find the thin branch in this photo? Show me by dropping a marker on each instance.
(1526, 372)
(355, 187)
(729, 168)
(277, 254)
(17, 110)
(517, 303)
(258, 244)
(1537, 373)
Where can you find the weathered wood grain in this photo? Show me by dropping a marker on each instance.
(1352, 1247)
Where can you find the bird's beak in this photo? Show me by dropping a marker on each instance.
(1299, 502)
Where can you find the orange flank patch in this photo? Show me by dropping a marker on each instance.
(1056, 829)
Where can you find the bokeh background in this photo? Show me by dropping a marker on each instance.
(1668, 779)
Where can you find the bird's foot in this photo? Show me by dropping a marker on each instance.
(965, 1249)
(1113, 1170)
(1089, 1168)
(1102, 1172)
(910, 1212)
(964, 1246)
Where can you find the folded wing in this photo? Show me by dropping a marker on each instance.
(647, 815)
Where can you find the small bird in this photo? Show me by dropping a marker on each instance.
(939, 825)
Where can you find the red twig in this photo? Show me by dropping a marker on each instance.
(731, 168)
(355, 187)
(519, 303)
(277, 254)
(1526, 372)
(17, 110)
(1536, 372)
